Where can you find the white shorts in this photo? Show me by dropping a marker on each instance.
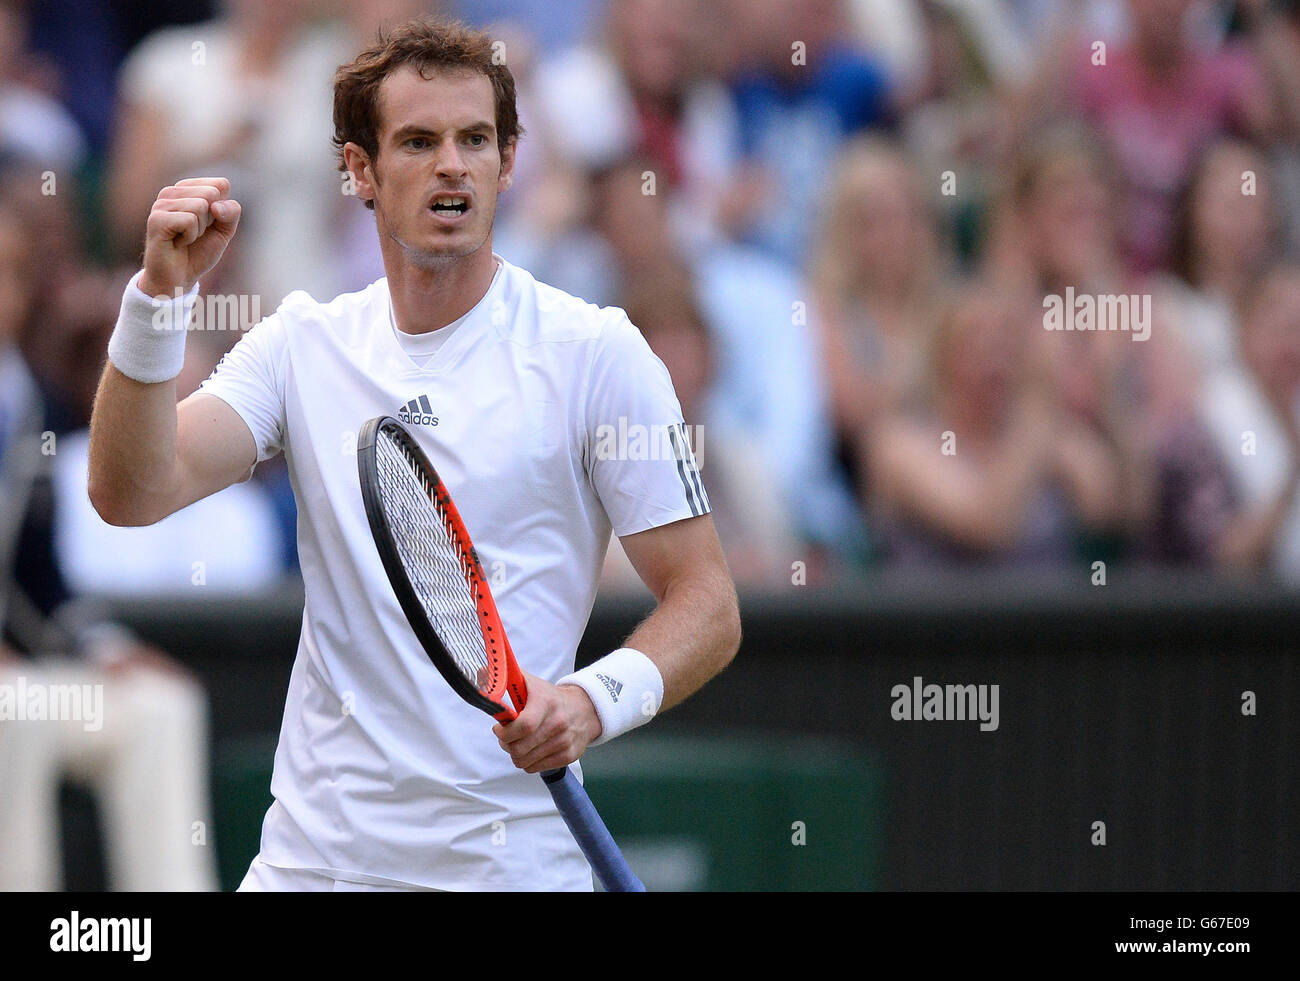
(268, 878)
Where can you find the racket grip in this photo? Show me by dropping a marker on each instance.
(589, 830)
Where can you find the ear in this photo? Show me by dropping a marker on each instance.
(361, 168)
(507, 165)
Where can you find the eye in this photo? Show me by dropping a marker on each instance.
(477, 139)
(417, 142)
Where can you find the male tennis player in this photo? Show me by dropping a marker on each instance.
(384, 778)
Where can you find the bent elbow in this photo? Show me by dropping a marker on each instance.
(113, 510)
(103, 504)
(733, 634)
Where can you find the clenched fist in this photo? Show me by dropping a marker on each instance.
(189, 228)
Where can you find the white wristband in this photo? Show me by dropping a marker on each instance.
(148, 343)
(626, 688)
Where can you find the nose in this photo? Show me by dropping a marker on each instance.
(450, 165)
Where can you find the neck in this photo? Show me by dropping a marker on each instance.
(429, 297)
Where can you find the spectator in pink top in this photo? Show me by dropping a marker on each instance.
(1160, 101)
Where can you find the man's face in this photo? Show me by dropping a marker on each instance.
(438, 172)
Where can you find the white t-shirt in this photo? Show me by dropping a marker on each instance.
(1233, 405)
(382, 773)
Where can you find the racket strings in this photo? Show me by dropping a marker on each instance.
(437, 565)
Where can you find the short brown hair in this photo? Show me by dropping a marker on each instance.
(427, 45)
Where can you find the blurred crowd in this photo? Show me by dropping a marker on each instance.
(837, 222)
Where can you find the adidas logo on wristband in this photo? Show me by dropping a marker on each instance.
(615, 688)
(617, 714)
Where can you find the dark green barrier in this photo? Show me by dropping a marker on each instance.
(241, 793)
(733, 813)
(718, 814)
(1121, 704)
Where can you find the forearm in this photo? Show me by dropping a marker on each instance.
(133, 471)
(691, 636)
(1090, 473)
(149, 457)
(693, 633)
(984, 509)
(1008, 487)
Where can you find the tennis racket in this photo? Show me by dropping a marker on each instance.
(439, 582)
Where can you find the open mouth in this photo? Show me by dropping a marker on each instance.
(449, 205)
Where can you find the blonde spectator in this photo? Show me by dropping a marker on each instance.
(1058, 229)
(876, 275)
(986, 467)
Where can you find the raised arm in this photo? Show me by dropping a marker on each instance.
(150, 457)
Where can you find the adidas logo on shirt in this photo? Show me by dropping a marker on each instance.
(615, 687)
(418, 412)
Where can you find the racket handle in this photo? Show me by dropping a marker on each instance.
(590, 832)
